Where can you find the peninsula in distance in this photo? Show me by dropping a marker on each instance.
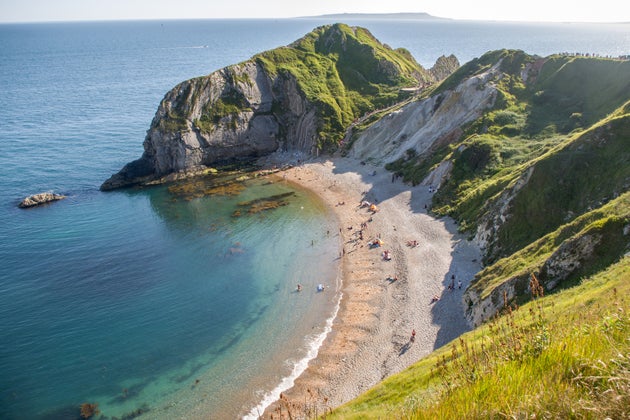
(390, 16)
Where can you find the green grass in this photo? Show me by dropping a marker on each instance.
(587, 88)
(345, 72)
(560, 356)
(607, 222)
(569, 125)
(483, 167)
(226, 108)
(589, 170)
(173, 122)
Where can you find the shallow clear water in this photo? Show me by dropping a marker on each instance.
(142, 298)
(126, 297)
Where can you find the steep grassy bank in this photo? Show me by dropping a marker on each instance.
(560, 356)
(560, 259)
(346, 72)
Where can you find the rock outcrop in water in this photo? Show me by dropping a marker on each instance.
(301, 97)
(39, 199)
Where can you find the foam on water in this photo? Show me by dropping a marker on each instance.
(299, 367)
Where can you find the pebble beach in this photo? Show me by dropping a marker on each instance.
(383, 299)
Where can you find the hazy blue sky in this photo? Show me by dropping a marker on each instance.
(531, 10)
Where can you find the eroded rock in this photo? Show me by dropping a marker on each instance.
(39, 199)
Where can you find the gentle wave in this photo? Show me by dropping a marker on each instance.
(298, 369)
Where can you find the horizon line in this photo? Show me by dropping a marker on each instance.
(350, 15)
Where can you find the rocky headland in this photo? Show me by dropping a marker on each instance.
(295, 98)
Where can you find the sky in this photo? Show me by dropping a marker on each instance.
(503, 10)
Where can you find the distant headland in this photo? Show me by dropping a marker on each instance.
(401, 16)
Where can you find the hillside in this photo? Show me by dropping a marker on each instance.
(552, 146)
(301, 97)
(535, 169)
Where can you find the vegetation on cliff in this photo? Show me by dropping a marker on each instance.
(343, 71)
(543, 178)
(556, 142)
(300, 97)
(346, 72)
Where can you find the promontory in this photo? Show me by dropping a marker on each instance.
(300, 97)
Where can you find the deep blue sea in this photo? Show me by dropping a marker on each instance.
(144, 300)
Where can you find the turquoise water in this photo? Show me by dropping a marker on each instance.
(144, 299)
(125, 298)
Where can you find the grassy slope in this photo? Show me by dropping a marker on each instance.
(588, 170)
(573, 92)
(344, 71)
(608, 221)
(561, 356)
(547, 124)
(567, 354)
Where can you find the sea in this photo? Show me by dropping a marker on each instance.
(158, 302)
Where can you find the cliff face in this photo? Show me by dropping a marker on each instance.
(240, 125)
(299, 97)
(421, 125)
(236, 113)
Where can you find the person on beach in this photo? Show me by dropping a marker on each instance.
(413, 335)
(299, 287)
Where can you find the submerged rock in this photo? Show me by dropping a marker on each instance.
(39, 199)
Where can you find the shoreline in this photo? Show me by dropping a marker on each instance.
(370, 336)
